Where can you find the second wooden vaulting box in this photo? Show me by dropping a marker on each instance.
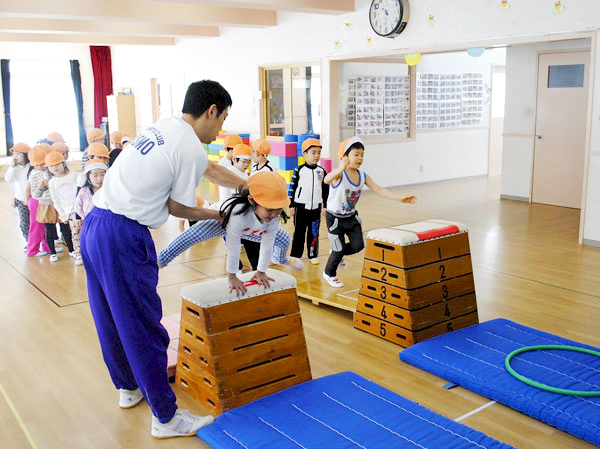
(233, 350)
(417, 282)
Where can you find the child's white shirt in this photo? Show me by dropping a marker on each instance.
(18, 176)
(225, 192)
(344, 194)
(247, 223)
(63, 191)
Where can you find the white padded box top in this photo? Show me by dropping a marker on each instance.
(411, 233)
(216, 291)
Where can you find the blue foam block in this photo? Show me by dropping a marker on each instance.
(216, 146)
(290, 138)
(340, 411)
(474, 359)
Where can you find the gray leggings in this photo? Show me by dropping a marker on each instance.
(23, 218)
(338, 228)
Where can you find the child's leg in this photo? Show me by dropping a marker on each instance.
(65, 230)
(200, 232)
(301, 224)
(336, 238)
(75, 237)
(353, 229)
(252, 251)
(312, 233)
(280, 246)
(51, 236)
(37, 231)
(23, 219)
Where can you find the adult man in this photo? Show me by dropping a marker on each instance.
(155, 177)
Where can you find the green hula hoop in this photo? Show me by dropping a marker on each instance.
(542, 386)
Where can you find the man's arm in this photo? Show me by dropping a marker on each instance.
(221, 176)
(191, 213)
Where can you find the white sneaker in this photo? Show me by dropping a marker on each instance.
(73, 254)
(314, 261)
(25, 248)
(53, 258)
(183, 424)
(333, 281)
(294, 263)
(59, 250)
(78, 261)
(41, 254)
(130, 398)
(58, 242)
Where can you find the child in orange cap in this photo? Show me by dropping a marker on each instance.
(251, 214)
(61, 147)
(96, 151)
(346, 184)
(63, 191)
(229, 142)
(117, 147)
(55, 137)
(94, 135)
(18, 170)
(261, 149)
(94, 172)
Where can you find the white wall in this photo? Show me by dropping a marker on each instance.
(519, 114)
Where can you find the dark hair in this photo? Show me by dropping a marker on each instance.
(88, 183)
(202, 94)
(25, 156)
(355, 145)
(240, 197)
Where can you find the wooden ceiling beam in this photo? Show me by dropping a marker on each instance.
(89, 39)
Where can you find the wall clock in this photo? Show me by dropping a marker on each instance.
(388, 18)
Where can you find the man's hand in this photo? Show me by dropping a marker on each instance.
(409, 199)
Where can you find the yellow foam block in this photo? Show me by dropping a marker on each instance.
(213, 158)
(287, 175)
(301, 160)
(219, 141)
(222, 153)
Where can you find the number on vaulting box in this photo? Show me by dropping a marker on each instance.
(417, 282)
(233, 350)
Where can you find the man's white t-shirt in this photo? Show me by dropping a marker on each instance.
(165, 161)
(224, 162)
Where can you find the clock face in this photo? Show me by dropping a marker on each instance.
(388, 17)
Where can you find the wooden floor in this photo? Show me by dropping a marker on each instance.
(55, 392)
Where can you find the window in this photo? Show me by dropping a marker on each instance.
(42, 101)
(566, 75)
(291, 100)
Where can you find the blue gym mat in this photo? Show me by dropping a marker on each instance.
(474, 359)
(341, 411)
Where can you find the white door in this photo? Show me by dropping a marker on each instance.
(561, 117)
(496, 119)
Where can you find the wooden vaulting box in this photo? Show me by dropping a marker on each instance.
(233, 350)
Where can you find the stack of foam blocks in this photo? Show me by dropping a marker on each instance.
(216, 149)
(233, 350)
(417, 282)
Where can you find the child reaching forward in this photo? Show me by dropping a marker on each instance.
(345, 186)
(252, 214)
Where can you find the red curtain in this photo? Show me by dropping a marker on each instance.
(102, 67)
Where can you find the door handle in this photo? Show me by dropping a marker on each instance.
(537, 136)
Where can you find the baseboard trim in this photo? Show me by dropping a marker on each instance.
(515, 198)
(591, 242)
(437, 181)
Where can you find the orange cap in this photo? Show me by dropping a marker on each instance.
(54, 158)
(98, 150)
(55, 137)
(61, 147)
(21, 148)
(47, 148)
(269, 190)
(261, 146)
(346, 144)
(311, 143)
(116, 137)
(242, 151)
(232, 140)
(37, 155)
(95, 134)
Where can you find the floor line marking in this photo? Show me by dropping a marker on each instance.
(477, 410)
(15, 413)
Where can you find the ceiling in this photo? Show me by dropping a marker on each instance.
(144, 22)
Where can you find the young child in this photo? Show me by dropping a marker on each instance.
(95, 151)
(116, 146)
(308, 192)
(18, 170)
(39, 203)
(94, 135)
(62, 148)
(261, 149)
(54, 137)
(241, 157)
(94, 172)
(251, 214)
(63, 191)
(346, 184)
(230, 142)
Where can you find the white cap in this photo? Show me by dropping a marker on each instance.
(94, 165)
(125, 139)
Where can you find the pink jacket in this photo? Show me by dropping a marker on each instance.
(84, 202)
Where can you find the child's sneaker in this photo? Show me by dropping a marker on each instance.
(78, 260)
(73, 254)
(25, 248)
(59, 250)
(333, 281)
(41, 254)
(183, 424)
(130, 398)
(294, 263)
(53, 257)
(314, 261)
